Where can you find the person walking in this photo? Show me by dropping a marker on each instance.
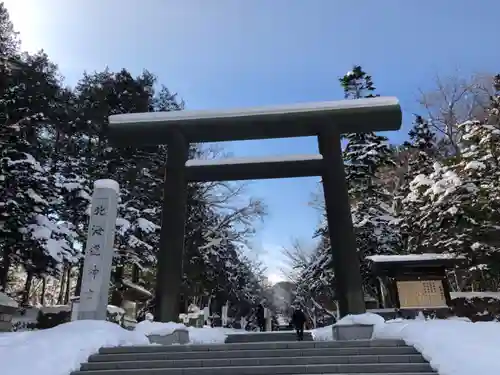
(298, 321)
(261, 320)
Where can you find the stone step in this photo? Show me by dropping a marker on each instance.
(372, 368)
(266, 337)
(159, 372)
(253, 353)
(253, 346)
(247, 362)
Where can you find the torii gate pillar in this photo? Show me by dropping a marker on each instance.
(346, 265)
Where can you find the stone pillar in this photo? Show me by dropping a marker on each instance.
(171, 252)
(269, 322)
(224, 312)
(206, 315)
(99, 251)
(346, 265)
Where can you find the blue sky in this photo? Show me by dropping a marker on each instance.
(238, 53)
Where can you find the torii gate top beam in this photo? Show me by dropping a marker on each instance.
(296, 120)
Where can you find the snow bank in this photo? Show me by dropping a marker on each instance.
(366, 318)
(452, 347)
(326, 333)
(60, 350)
(205, 335)
(322, 334)
(147, 327)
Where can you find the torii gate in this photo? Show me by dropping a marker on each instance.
(326, 120)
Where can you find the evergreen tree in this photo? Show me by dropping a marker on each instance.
(32, 235)
(364, 155)
(422, 154)
(457, 201)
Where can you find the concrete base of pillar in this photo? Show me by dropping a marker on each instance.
(352, 332)
(179, 336)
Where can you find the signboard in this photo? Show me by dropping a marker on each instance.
(98, 253)
(421, 294)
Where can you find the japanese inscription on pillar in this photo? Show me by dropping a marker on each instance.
(99, 251)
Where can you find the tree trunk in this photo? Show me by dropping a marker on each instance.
(27, 287)
(68, 286)
(116, 295)
(78, 285)
(136, 273)
(4, 270)
(44, 287)
(62, 285)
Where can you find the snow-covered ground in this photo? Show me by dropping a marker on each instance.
(62, 349)
(205, 335)
(453, 346)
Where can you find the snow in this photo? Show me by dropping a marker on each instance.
(54, 238)
(205, 335)
(322, 334)
(470, 295)
(366, 318)
(474, 164)
(171, 116)
(453, 346)
(77, 340)
(112, 309)
(412, 257)
(5, 300)
(270, 159)
(208, 335)
(107, 184)
(147, 327)
(326, 333)
(138, 288)
(146, 225)
(74, 342)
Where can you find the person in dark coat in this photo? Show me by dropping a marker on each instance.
(298, 321)
(261, 320)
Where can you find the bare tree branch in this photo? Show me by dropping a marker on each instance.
(455, 100)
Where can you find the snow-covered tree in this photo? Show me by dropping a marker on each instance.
(33, 236)
(422, 153)
(364, 155)
(458, 201)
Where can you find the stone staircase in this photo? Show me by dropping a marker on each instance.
(275, 336)
(387, 357)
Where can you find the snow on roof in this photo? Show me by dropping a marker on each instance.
(107, 184)
(270, 159)
(136, 287)
(255, 111)
(412, 257)
(469, 295)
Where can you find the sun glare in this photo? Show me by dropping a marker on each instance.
(27, 18)
(275, 278)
